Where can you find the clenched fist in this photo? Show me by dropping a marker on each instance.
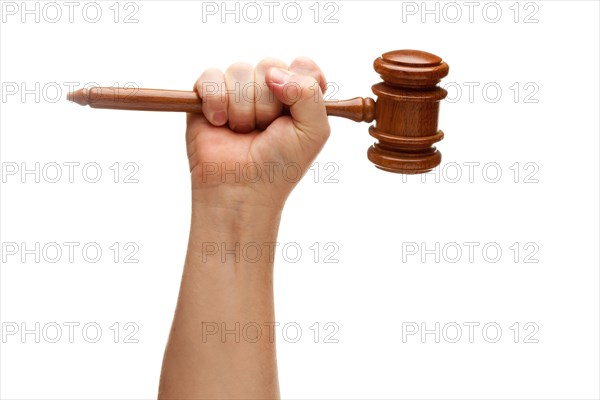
(242, 151)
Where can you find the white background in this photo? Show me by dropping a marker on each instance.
(375, 220)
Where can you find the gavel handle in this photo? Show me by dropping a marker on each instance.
(357, 109)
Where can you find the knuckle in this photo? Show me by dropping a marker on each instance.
(210, 75)
(269, 62)
(304, 62)
(210, 82)
(212, 72)
(239, 67)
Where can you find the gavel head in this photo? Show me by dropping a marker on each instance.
(406, 112)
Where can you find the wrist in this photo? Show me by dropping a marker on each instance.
(233, 234)
(235, 216)
(243, 199)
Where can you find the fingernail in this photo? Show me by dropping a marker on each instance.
(220, 118)
(279, 76)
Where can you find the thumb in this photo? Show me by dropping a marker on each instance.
(305, 100)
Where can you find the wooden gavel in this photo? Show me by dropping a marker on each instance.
(405, 113)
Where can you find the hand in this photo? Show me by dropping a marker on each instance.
(242, 152)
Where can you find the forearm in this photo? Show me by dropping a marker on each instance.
(225, 303)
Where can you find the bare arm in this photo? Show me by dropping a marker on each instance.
(225, 303)
(222, 343)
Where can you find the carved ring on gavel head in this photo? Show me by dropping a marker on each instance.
(405, 113)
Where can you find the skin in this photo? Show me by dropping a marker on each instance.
(245, 159)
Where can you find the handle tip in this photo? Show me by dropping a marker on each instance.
(78, 97)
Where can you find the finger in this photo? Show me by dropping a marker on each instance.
(239, 80)
(305, 100)
(306, 66)
(211, 89)
(267, 107)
